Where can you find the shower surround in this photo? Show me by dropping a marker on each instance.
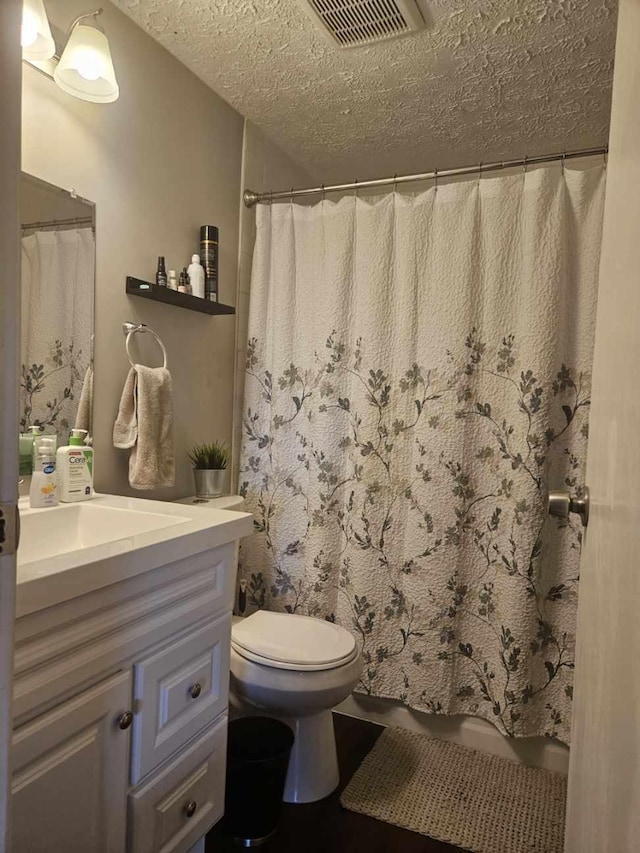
(418, 376)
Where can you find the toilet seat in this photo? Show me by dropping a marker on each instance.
(292, 667)
(292, 642)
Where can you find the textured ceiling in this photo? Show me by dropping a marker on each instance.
(487, 80)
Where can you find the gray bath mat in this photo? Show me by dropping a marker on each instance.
(470, 799)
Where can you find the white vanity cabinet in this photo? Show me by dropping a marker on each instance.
(121, 698)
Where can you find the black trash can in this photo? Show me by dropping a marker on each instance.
(258, 753)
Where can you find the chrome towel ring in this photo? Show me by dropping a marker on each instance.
(130, 329)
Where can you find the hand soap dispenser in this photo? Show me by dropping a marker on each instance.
(75, 469)
(44, 484)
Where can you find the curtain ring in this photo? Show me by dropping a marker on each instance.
(395, 183)
(562, 161)
(324, 195)
(525, 164)
(435, 176)
(355, 188)
(605, 158)
(479, 172)
(270, 197)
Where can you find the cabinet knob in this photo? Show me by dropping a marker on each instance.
(125, 720)
(195, 690)
(190, 808)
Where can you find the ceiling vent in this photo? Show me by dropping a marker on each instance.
(351, 23)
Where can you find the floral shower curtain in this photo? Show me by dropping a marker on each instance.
(418, 375)
(57, 325)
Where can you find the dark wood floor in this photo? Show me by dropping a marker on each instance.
(326, 826)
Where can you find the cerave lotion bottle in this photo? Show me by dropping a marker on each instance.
(75, 469)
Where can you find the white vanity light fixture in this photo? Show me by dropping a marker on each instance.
(36, 39)
(85, 69)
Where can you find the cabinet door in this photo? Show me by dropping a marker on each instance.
(70, 774)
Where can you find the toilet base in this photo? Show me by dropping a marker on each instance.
(313, 767)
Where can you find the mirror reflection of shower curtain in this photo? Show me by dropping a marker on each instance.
(418, 374)
(57, 325)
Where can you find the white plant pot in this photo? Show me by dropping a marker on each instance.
(209, 482)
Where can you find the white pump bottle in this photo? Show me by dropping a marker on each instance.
(196, 276)
(75, 469)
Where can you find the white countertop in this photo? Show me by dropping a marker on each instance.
(73, 549)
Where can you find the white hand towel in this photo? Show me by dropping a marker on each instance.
(145, 426)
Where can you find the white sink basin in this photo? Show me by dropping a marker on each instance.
(48, 533)
(72, 549)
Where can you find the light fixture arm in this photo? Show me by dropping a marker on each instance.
(93, 14)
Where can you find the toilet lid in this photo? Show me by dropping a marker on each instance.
(285, 640)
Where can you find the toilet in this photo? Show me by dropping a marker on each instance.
(295, 668)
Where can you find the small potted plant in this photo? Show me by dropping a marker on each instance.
(209, 468)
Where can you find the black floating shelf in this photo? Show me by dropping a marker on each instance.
(137, 287)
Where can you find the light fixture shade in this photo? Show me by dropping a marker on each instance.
(85, 69)
(36, 39)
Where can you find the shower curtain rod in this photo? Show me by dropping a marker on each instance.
(251, 198)
(59, 223)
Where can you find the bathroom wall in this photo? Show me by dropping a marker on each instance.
(159, 162)
(265, 167)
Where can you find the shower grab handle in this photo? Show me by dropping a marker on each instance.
(560, 504)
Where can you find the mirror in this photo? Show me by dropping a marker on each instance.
(58, 276)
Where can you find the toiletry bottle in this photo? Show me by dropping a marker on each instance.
(182, 287)
(75, 469)
(172, 281)
(196, 276)
(161, 275)
(25, 459)
(209, 258)
(26, 454)
(44, 483)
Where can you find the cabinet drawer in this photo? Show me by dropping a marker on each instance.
(172, 811)
(178, 691)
